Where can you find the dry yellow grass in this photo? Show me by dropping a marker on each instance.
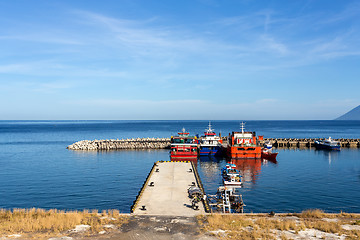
(313, 213)
(229, 222)
(265, 227)
(53, 221)
(329, 227)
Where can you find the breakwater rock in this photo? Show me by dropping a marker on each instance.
(116, 144)
(309, 142)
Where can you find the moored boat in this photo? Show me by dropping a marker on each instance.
(244, 145)
(210, 144)
(268, 154)
(231, 176)
(183, 146)
(328, 144)
(267, 144)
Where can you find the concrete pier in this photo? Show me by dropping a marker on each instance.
(165, 191)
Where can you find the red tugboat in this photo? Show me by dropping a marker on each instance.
(244, 145)
(183, 147)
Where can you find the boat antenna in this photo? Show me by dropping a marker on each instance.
(242, 126)
(209, 130)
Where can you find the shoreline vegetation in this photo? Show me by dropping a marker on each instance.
(91, 224)
(36, 223)
(309, 224)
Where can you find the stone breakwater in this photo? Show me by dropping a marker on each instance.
(309, 142)
(116, 144)
(164, 143)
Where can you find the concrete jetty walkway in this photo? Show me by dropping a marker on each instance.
(168, 196)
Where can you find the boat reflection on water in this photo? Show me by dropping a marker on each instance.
(210, 167)
(329, 155)
(210, 158)
(250, 169)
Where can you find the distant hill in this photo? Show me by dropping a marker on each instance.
(354, 114)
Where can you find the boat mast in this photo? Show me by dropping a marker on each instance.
(209, 130)
(242, 126)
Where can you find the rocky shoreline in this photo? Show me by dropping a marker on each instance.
(115, 144)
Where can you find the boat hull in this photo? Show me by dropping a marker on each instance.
(269, 156)
(236, 152)
(183, 151)
(326, 147)
(233, 184)
(205, 151)
(183, 156)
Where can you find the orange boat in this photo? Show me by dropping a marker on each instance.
(244, 145)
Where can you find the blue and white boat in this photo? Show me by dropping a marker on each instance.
(328, 144)
(209, 144)
(231, 176)
(267, 145)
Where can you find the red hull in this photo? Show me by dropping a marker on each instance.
(183, 156)
(269, 156)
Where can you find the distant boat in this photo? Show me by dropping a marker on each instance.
(328, 144)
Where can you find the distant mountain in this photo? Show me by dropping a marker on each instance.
(354, 114)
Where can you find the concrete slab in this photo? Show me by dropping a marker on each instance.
(169, 196)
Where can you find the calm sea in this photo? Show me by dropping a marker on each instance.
(36, 169)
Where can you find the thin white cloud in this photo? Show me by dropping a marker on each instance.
(350, 12)
(131, 103)
(42, 38)
(52, 86)
(51, 67)
(272, 44)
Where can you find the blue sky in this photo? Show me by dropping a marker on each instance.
(199, 59)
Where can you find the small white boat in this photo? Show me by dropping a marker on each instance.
(268, 145)
(328, 144)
